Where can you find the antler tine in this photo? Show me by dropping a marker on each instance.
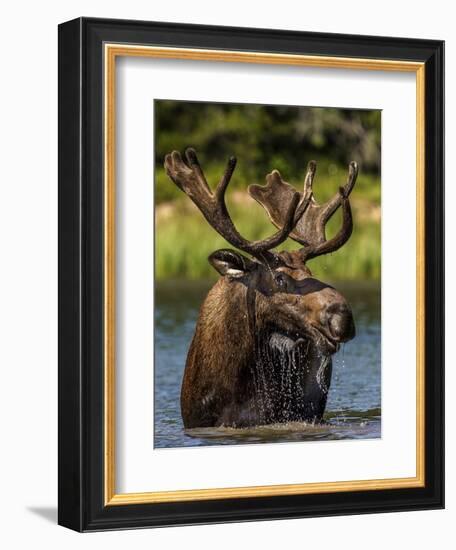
(317, 244)
(333, 204)
(191, 180)
(339, 239)
(225, 179)
(192, 161)
(307, 194)
(309, 177)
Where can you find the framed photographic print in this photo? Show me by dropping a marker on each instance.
(250, 274)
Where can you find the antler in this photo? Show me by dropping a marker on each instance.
(309, 230)
(189, 177)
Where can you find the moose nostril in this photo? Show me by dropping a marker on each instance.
(336, 324)
(341, 325)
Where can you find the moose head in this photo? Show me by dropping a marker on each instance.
(262, 348)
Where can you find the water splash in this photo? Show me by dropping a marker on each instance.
(290, 379)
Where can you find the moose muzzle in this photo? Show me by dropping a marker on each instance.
(340, 322)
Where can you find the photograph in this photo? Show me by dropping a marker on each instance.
(267, 273)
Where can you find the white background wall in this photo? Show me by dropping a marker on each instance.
(28, 271)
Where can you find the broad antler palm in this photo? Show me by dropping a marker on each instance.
(309, 229)
(189, 177)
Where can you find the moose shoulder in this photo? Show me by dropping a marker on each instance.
(262, 347)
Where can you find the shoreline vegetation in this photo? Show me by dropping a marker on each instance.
(184, 239)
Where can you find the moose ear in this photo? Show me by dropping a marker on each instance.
(231, 263)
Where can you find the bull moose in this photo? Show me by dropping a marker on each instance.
(261, 352)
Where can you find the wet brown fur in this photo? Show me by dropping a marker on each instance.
(217, 387)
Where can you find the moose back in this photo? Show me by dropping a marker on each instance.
(263, 342)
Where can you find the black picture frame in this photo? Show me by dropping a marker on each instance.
(81, 472)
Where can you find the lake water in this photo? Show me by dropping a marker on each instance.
(354, 404)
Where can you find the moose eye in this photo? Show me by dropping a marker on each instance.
(280, 281)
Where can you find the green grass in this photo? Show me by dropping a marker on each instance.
(184, 239)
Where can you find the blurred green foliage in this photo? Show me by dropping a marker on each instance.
(263, 138)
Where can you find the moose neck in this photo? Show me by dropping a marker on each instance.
(223, 325)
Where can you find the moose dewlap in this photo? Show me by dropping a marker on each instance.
(263, 342)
